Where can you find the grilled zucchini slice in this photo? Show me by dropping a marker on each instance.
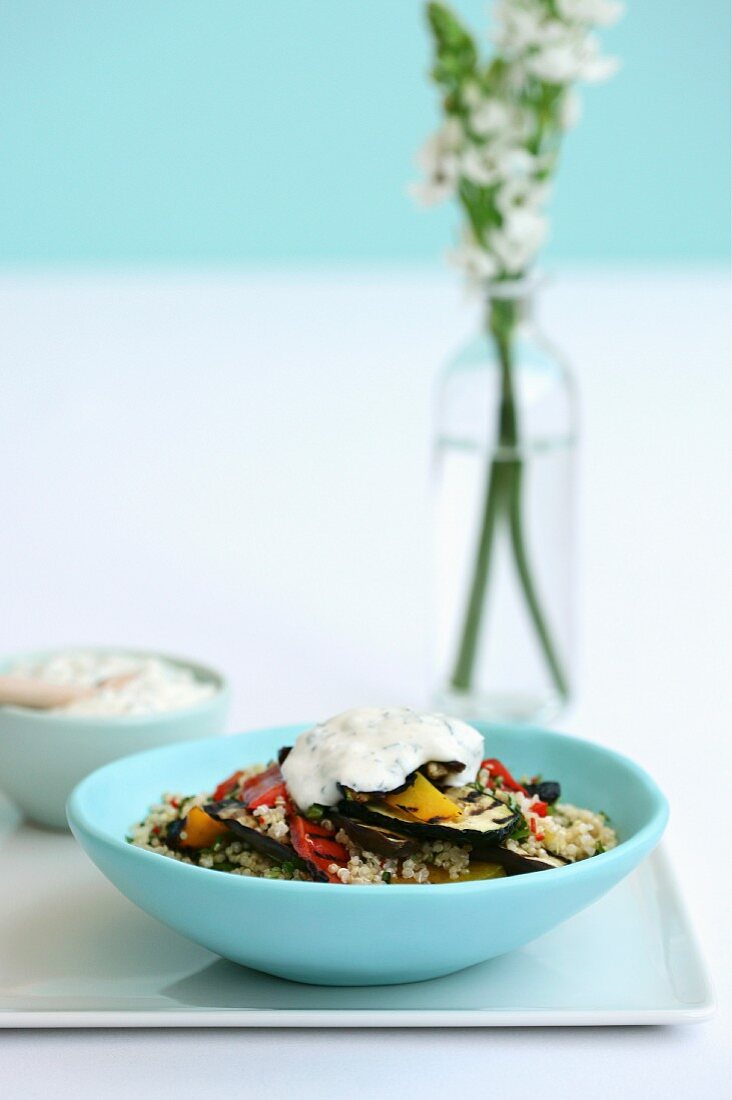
(483, 822)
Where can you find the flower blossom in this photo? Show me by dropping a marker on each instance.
(473, 260)
(499, 145)
(490, 116)
(440, 161)
(519, 26)
(576, 56)
(480, 165)
(570, 110)
(593, 13)
(518, 240)
(521, 193)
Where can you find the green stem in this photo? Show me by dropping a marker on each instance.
(503, 500)
(501, 323)
(495, 490)
(523, 568)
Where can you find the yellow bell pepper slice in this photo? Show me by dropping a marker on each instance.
(421, 799)
(477, 871)
(201, 829)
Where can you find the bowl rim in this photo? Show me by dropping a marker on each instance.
(646, 837)
(127, 721)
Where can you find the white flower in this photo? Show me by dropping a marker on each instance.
(431, 192)
(473, 260)
(521, 125)
(486, 165)
(553, 33)
(521, 194)
(490, 117)
(598, 13)
(440, 160)
(518, 240)
(557, 64)
(518, 26)
(440, 147)
(576, 57)
(472, 95)
(595, 69)
(547, 162)
(480, 165)
(570, 110)
(516, 162)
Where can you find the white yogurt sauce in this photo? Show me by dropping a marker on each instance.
(147, 684)
(372, 749)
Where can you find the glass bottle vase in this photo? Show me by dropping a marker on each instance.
(504, 469)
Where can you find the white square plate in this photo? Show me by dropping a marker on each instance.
(75, 953)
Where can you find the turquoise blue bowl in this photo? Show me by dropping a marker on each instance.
(360, 935)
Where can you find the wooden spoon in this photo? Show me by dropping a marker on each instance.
(25, 691)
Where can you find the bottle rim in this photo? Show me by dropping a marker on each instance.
(523, 287)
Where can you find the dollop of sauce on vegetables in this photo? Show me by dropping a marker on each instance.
(371, 749)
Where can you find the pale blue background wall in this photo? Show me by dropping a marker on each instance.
(283, 130)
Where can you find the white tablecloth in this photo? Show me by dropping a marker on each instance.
(235, 466)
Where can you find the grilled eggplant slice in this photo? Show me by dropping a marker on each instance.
(516, 863)
(438, 772)
(435, 771)
(369, 796)
(232, 814)
(483, 823)
(172, 836)
(382, 842)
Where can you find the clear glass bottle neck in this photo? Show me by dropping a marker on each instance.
(510, 303)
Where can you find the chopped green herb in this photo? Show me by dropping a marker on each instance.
(520, 831)
(599, 848)
(605, 817)
(292, 865)
(498, 781)
(315, 813)
(386, 876)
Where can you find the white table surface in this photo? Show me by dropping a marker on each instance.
(235, 466)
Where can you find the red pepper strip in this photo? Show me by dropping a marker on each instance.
(227, 787)
(265, 789)
(316, 846)
(253, 779)
(267, 797)
(539, 808)
(496, 768)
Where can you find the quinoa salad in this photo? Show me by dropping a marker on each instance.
(400, 797)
